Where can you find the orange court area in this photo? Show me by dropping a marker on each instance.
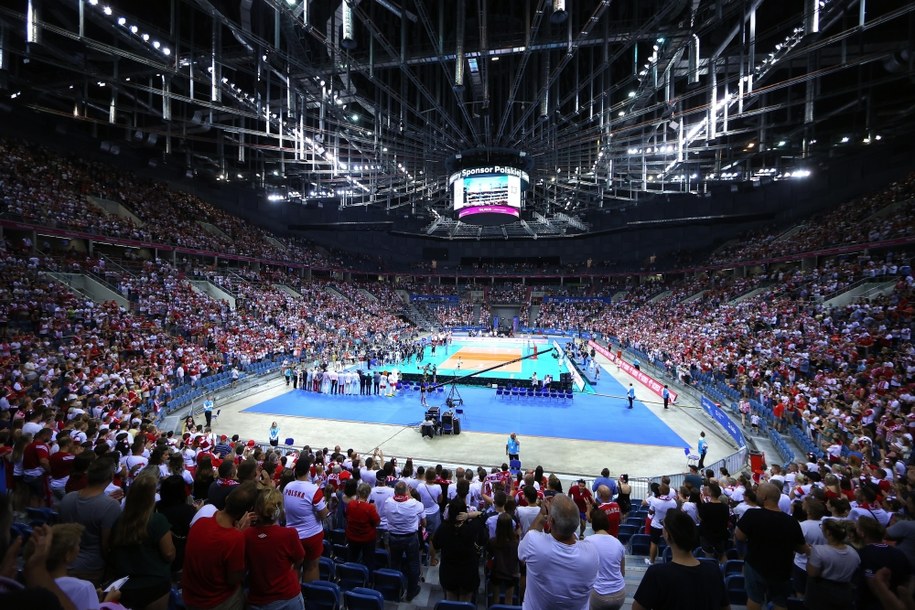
(474, 359)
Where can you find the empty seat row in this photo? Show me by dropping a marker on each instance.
(516, 392)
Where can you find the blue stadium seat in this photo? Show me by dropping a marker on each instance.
(451, 605)
(382, 558)
(361, 598)
(322, 595)
(392, 584)
(639, 544)
(351, 575)
(327, 569)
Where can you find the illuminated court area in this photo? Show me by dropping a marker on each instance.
(563, 435)
(468, 355)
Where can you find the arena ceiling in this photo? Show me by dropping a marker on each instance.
(370, 102)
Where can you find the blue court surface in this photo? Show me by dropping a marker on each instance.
(587, 416)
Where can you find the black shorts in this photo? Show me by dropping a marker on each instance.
(496, 581)
(654, 534)
(711, 546)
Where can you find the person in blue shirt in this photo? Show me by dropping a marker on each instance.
(703, 449)
(513, 447)
(604, 479)
(274, 434)
(665, 394)
(208, 411)
(630, 394)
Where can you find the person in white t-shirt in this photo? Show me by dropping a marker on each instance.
(609, 590)
(657, 509)
(527, 514)
(378, 496)
(813, 534)
(561, 571)
(305, 511)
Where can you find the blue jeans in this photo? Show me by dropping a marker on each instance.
(405, 557)
(296, 603)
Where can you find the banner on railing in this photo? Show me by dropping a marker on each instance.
(718, 414)
(645, 379)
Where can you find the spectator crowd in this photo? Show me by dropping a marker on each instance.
(82, 386)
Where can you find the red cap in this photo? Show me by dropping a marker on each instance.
(251, 443)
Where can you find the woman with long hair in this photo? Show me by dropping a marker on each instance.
(274, 557)
(176, 469)
(430, 494)
(623, 499)
(20, 489)
(142, 548)
(173, 503)
(503, 552)
(203, 478)
(830, 569)
(457, 539)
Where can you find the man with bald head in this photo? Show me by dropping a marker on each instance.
(772, 538)
(609, 508)
(560, 569)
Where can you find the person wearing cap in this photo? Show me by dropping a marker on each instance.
(630, 395)
(222, 448)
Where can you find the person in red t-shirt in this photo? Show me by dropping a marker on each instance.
(274, 556)
(361, 520)
(61, 463)
(609, 508)
(583, 499)
(214, 554)
(36, 465)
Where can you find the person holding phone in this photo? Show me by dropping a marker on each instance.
(214, 562)
(561, 570)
